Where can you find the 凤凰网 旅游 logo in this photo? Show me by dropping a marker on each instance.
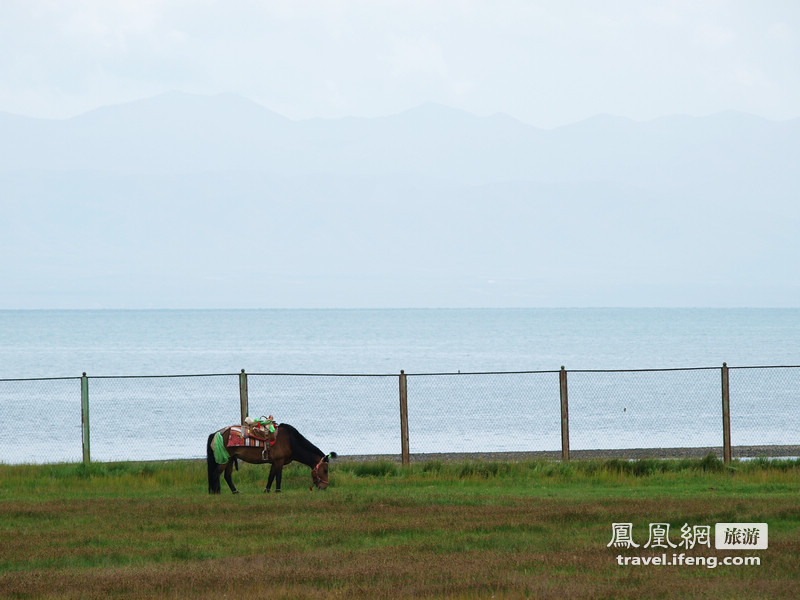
(727, 536)
(741, 536)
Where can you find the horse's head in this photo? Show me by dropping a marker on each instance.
(319, 474)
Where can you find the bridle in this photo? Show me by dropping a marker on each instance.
(315, 476)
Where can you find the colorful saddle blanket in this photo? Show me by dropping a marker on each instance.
(235, 438)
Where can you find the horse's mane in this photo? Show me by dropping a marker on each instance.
(303, 444)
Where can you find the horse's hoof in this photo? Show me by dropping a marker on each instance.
(235, 492)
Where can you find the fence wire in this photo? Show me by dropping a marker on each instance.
(645, 409)
(484, 412)
(347, 414)
(765, 405)
(40, 420)
(153, 417)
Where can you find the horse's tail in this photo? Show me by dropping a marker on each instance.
(213, 471)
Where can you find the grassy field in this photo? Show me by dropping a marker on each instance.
(434, 530)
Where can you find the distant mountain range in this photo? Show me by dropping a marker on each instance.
(182, 133)
(184, 200)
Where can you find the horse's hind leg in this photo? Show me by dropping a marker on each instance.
(228, 478)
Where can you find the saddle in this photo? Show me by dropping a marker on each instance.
(263, 428)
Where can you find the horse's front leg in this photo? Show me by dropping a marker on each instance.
(274, 475)
(228, 478)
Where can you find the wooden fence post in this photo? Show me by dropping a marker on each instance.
(405, 454)
(562, 384)
(245, 409)
(726, 416)
(87, 455)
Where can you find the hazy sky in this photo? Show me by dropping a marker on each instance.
(545, 63)
(81, 239)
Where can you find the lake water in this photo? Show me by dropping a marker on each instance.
(357, 413)
(161, 342)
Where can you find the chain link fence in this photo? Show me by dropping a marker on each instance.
(483, 412)
(348, 414)
(40, 420)
(671, 408)
(170, 417)
(765, 405)
(150, 418)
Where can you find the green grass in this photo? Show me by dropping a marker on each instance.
(437, 529)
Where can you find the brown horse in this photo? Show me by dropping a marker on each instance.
(289, 445)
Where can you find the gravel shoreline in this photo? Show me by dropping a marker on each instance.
(625, 454)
